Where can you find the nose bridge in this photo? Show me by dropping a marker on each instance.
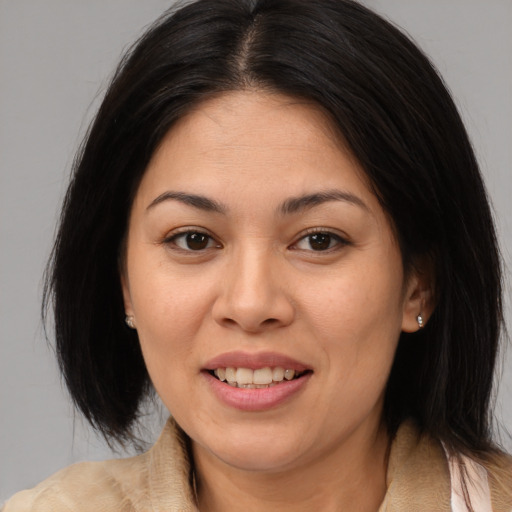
(253, 291)
(252, 274)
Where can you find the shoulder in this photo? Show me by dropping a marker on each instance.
(156, 480)
(499, 470)
(112, 485)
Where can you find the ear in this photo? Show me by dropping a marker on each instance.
(419, 297)
(125, 288)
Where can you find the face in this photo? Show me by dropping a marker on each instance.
(257, 253)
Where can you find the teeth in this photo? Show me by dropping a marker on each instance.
(278, 374)
(244, 376)
(220, 373)
(255, 379)
(231, 375)
(289, 374)
(262, 376)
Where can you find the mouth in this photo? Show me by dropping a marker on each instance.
(259, 378)
(256, 382)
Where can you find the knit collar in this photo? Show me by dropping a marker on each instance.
(417, 478)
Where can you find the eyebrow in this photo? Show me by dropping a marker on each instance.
(288, 207)
(194, 200)
(301, 203)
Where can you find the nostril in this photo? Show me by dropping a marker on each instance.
(269, 322)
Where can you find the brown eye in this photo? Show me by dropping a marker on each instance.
(321, 241)
(193, 241)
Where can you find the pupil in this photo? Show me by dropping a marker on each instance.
(197, 241)
(320, 241)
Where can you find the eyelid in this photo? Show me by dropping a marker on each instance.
(174, 234)
(342, 239)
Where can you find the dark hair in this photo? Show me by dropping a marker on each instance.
(399, 121)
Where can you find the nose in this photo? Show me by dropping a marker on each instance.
(253, 293)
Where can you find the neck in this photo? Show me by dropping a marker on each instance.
(341, 479)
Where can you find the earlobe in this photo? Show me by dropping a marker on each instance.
(129, 318)
(418, 302)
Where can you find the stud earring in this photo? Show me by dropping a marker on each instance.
(129, 321)
(419, 319)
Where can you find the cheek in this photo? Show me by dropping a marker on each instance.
(167, 326)
(164, 298)
(169, 311)
(356, 305)
(357, 323)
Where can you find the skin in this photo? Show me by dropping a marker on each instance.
(258, 285)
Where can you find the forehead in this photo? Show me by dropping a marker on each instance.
(255, 134)
(258, 115)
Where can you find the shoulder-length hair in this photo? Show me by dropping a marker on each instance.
(399, 121)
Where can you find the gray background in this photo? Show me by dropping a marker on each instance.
(55, 58)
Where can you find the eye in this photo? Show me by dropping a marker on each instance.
(193, 241)
(319, 241)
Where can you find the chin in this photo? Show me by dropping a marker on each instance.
(255, 459)
(253, 450)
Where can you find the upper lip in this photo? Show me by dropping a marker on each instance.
(254, 361)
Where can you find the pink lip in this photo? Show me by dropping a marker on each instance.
(254, 361)
(255, 399)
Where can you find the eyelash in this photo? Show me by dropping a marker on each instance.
(339, 240)
(211, 243)
(172, 239)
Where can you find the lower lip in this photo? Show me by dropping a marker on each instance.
(262, 399)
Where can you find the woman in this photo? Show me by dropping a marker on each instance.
(277, 221)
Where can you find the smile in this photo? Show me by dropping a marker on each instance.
(260, 378)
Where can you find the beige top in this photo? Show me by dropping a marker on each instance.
(159, 480)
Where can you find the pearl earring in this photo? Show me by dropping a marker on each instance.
(419, 319)
(129, 321)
